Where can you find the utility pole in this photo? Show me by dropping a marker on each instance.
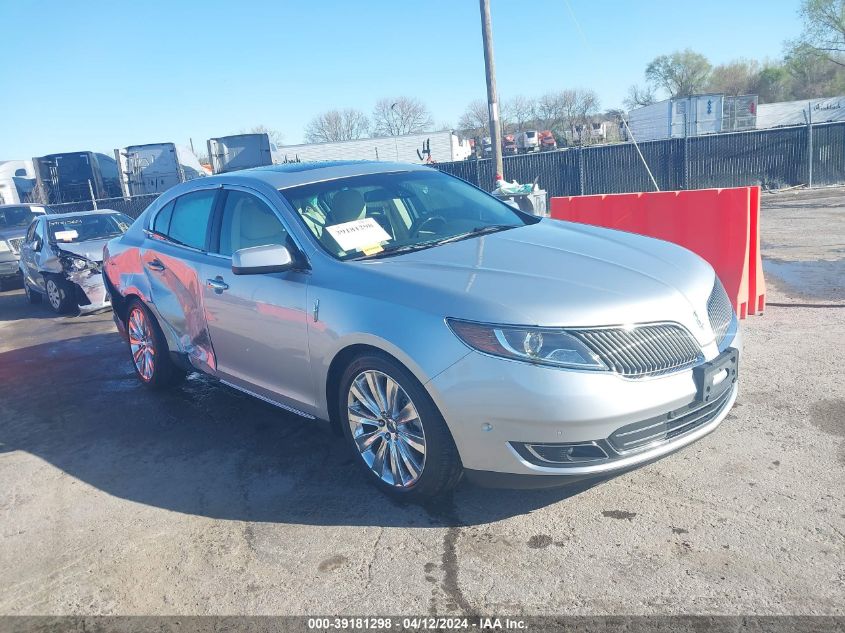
(492, 93)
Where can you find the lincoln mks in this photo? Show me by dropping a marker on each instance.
(440, 330)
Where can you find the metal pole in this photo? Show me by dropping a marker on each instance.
(91, 190)
(492, 93)
(809, 145)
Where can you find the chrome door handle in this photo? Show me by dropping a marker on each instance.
(155, 265)
(217, 284)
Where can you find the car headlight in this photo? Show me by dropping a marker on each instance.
(76, 264)
(4, 247)
(542, 346)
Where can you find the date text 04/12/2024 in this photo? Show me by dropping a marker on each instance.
(416, 623)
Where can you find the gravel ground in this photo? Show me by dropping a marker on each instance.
(203, 501)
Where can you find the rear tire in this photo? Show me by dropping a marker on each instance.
(148, 349)
(59, 294)
(395, 431)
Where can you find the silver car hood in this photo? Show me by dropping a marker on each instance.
(92, 249)
(557, 273)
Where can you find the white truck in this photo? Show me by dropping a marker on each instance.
(155, 167)
(824, 110)
(691, 116)
(428, 147)
(240, 151)
(17, 180)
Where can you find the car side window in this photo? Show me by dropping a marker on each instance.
(246, 222)
(161, 224)
(190, 216)
(30, 232)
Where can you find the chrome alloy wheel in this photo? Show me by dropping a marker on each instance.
(141, 344)
(386, 428)
(54, 294)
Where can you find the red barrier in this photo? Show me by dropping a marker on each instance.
(720, 225)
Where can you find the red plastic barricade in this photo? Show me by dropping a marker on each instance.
(720, 225)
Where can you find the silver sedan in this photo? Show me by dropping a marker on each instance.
(441, 331)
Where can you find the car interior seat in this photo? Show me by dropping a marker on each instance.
(253, 224)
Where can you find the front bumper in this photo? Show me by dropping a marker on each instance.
(90, 290)
(9, 267)
(495, 407)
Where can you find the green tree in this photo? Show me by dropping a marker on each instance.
(824, 29)
(681, 73)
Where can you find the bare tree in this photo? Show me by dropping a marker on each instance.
(473, 121)
(567, 112)
(680, 74)
(518, 113)
(337, 125)
(400, 115)
(276, 137)
(639, 96)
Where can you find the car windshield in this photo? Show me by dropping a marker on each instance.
(380, 215)
(83, 228)
(16, 217)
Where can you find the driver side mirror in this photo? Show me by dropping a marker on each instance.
(257, 260)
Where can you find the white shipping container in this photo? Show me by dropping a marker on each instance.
(17, 180)
(795, 112)
(437, 147)
(240, 151)
(676, 118)
(155, 167)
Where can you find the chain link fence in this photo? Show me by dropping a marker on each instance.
(774, 159)
(133, 206)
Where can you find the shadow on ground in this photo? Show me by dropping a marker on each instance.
(203, 448)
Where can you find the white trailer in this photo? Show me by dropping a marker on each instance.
(795, 112)
(155, 167)
(438, 147)
(17, 180)
(240, 151)
(692, 116)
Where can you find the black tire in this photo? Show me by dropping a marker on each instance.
(161, 372)
(442, 468)
(60, 294)
(32, 296)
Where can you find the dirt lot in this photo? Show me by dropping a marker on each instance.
(117, 501)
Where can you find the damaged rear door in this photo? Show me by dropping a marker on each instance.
(174, 254)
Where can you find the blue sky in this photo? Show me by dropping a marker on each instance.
(103, 74)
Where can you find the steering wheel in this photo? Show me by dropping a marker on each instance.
(422, 223)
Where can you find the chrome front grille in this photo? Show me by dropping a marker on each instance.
(643, 350)
(719, 311)
(15, 244)
(666, 427)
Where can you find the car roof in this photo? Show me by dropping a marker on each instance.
(76, 214)
(295, 174)
(18, 205)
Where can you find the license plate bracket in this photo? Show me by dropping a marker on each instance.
(710, 381)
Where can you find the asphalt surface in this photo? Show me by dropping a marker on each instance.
(115, 500)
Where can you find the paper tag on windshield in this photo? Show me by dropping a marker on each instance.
(66, 236)
(358, 234)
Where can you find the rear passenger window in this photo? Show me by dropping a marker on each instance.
(190, 216)
(161, 225)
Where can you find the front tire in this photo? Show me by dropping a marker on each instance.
(148, 349)
(32, 296)
(395, 431)
(59, 295)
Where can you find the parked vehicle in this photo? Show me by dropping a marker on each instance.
(76, 176)
(155, 167)
(528, 141)
(425, 147)
(14, 220)
(547, 141)
(62, 256)
(17, 180)
(241, 151)
(509, 145)
(442, 331)
(692, 116)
